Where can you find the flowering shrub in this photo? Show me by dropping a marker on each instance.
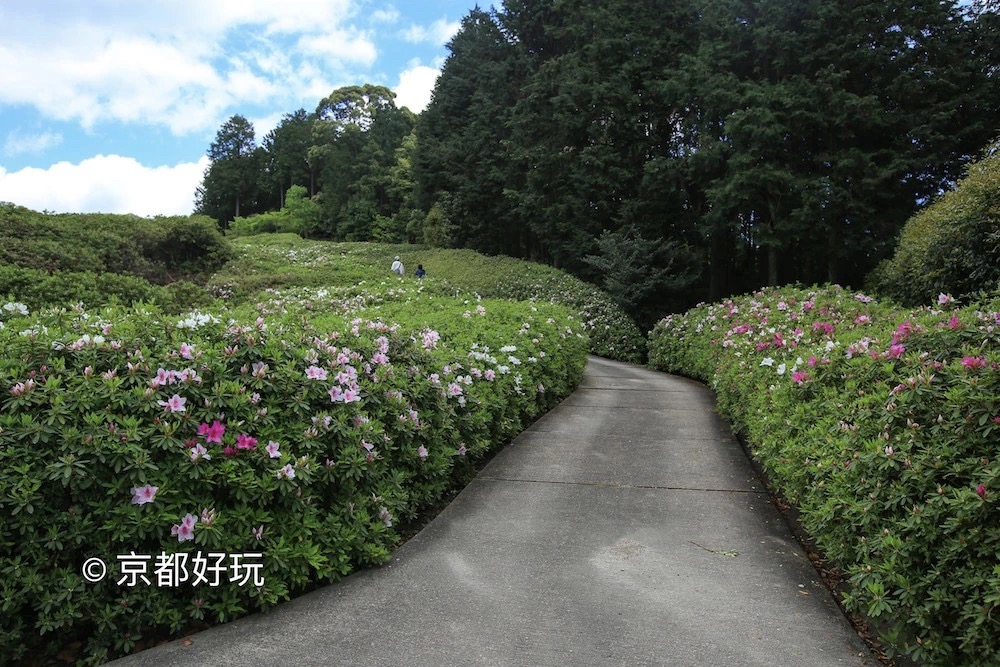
(306, 436)
(883, 427)
(284, 262)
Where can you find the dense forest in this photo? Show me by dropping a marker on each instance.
(669, 151)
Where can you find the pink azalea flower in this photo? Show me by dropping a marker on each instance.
(386, 517)
(461, 449)
(244, 441)
(174, 404)
(954, 323)
(981, 491)
(187, 351)
(489, 374)
(316, 373)
(287, 472)
(367, 445)
(944, 299)
(454, 389)
(895, 351)
(343, 378)
(230, 450)
(212, 433)
(143, 494)
(974, 362)
(799, 377)
(352, 395)
(422, 452)
(272, 449)
(336, 394)
(185, 529)
(380, 359)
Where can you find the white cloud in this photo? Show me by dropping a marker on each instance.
(183, 64)
(388, 14)
(415, 86)
(439, 32)
(18, 143)
(105, 184)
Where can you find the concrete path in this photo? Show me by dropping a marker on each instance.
(625, 527)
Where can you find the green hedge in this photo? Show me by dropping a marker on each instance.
(285, 261)
(952, 246)
(99, 406)
(160, 249)
(883, 427)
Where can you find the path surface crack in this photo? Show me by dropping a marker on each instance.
(615, 485)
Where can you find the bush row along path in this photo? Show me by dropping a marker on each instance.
(625, 527)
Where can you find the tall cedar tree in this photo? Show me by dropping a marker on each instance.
(229, 188)
(460, 162)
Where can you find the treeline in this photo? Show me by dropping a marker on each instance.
(671, 151)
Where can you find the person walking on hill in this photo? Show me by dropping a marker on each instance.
(420, 273)
(397, 267)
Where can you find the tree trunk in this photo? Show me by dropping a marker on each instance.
(718, 266)
(772, 265)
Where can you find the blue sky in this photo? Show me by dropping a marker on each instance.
(109, 105)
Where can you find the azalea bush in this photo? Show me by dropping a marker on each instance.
(882, 426)
(303, 430)
(284, 261)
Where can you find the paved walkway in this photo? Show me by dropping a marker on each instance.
(625, 527)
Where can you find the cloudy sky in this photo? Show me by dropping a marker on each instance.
(109, 105)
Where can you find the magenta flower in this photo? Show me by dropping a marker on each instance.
(143, 494)
(174, 404)
(974, 362)
(212, 433)
(799, 377)
(272, 449)
(895, 351)
(244, 441)
(981, 491)
(230, 450)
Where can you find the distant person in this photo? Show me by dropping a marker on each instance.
(397, 267)
(420, 271)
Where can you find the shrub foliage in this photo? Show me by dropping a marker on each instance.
(883, 427)
(302, 434)
(951, 246)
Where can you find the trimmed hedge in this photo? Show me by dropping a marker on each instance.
(285, 261)
(304, 435)
(883, 427)
(160, 249)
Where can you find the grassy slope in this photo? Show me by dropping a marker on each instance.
(285, 261)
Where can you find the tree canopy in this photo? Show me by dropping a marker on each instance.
(738, 142)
